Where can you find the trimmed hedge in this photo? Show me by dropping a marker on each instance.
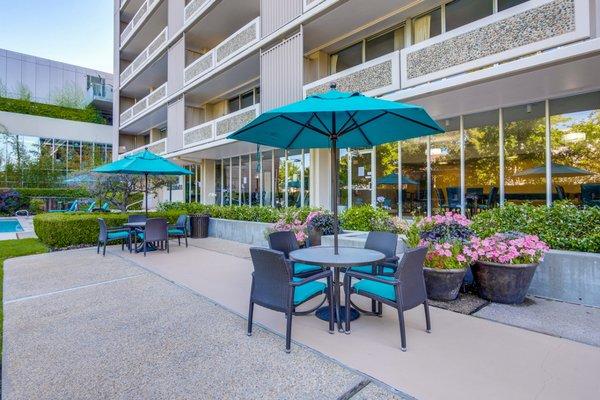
(58, 230)
(88, 114)
(238, 213)
(363, 218)
(562, 226)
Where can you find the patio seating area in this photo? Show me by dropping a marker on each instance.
(511, 362)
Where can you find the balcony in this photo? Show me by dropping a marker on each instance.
(308, 4)
(144, 105)
(225, 51)
(374, 78)
(219, 128)
(159, 147)
(195, 7)
(145, 9)
(145, 57)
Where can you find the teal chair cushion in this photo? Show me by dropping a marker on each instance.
(176, 231)
(118, 235)
(384, 290)
(300, 268)
(306, 291)
(367, 269)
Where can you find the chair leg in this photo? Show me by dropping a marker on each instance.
(288, 331)
(145, 248)
(104, 250)
(129, 243)
(98, 248)
(402, 328)
(250, 316)
(179, 240)
(122, 244)
(186, 244)
(167, 244)
(427, 317)
(330, 305)
(347, 281)
(373, 306)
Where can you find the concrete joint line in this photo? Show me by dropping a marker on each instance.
(354, 390)
(70, 289)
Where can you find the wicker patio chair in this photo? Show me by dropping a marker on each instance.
(109, 235)
(156, 231)
(285, 241)
(180, 229)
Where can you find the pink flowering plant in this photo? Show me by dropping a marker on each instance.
(292, 221)
(447, 236)
(508, 248)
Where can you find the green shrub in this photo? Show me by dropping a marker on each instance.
(24, 106)
(562, 226)
(36, 206)
(239, 213)
(26, 194)
(364, 218)
(59, 230)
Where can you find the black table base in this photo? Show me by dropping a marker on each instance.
(323, 314)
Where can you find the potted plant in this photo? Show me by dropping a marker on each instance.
(505, 264)
(319, 224)
(446, 263)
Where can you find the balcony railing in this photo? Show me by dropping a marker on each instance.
(535, 25)
(98, 91)
(158, 147)
(219, 128)
(229, 48)
(308, 4)
(374, 77)
(145, 57)
(146, 7)
(144, 104)
(194, 7)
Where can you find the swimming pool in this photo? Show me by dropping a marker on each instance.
(10, 225)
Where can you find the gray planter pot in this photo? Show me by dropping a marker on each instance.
(314, 237)
(443, 284)
(503, 283)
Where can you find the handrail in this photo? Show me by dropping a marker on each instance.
(158, 94)
(145, 57)
(146, 7)
(148, 146)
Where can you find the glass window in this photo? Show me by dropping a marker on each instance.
(344, 59)
(575, 138)
(74, 156)
(227, 181)
(233, 104)
(247, 99)
(294, 177)
(387, 177)
(245, 182)
(267, 168)
(257, 94)
(384, 44)
(414, 170)
(524, 154)
(218, 182)
(235, 181)
(87, 156)
(255, 179)
(482, 161)
(280, 178)
(445, 167)
(427, 26)
(461, 12)
(343, 180)
(361, 176)
(504, 4)
(306, 178)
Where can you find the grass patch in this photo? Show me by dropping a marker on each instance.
(10, 249)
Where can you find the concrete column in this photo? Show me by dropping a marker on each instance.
(208, 182)
(320, 182)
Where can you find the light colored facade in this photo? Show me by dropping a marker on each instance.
(515, 83)
(70, 145)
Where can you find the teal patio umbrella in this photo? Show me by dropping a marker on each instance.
(143, 163)
(392, 179)
(336, 120)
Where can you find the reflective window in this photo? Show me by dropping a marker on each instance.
(255, 179)
(267, 180)
(306, 178)
(280, 178)
(482, 160)
(414, 169)
(504, 4)
(233, 104)
(218, 182)
(524, 155)
(235, 181)
(387, 177)
(344, 59)
(384, 44)
(362, 177)
(427, 26)
(461, 12)
(343, 179)
(227, 181)
(445, 167)
(294, 177)
(245, 180)
(247, 99)
(575, 138)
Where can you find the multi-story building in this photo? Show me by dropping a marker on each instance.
(515, 83)
(51, 141)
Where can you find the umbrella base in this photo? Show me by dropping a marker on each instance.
(323, 314)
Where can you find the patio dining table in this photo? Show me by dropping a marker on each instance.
(138, 226)
(348, 257)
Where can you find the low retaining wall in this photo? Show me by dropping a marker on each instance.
(563, 275)
(240, 231)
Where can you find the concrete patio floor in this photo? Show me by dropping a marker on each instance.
(81, 326)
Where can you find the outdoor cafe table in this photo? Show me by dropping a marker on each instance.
(348, 257)
(132, 226)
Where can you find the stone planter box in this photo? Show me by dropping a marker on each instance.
(248, 232)
(563, 275)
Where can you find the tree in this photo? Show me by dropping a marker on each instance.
(119, 190)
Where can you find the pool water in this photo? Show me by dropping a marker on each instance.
(10, 225)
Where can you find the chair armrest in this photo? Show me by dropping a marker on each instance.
(316, 277)
(359, 275)
(123, 229)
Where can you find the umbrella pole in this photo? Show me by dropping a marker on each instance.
(146, 175)
(334, 193)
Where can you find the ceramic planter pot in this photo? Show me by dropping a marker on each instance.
(443, 284)
(503, 283)
(314, 237)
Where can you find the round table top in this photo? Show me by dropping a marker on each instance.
(347, 257)
(135, 224)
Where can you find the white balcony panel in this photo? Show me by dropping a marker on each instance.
(137, 20)
(146, 56)
(533, 26)
(145, 104)
(158, 147)
(374, 78)
(195, 7)
(219, 128)
(229, 48)
(308, 4)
